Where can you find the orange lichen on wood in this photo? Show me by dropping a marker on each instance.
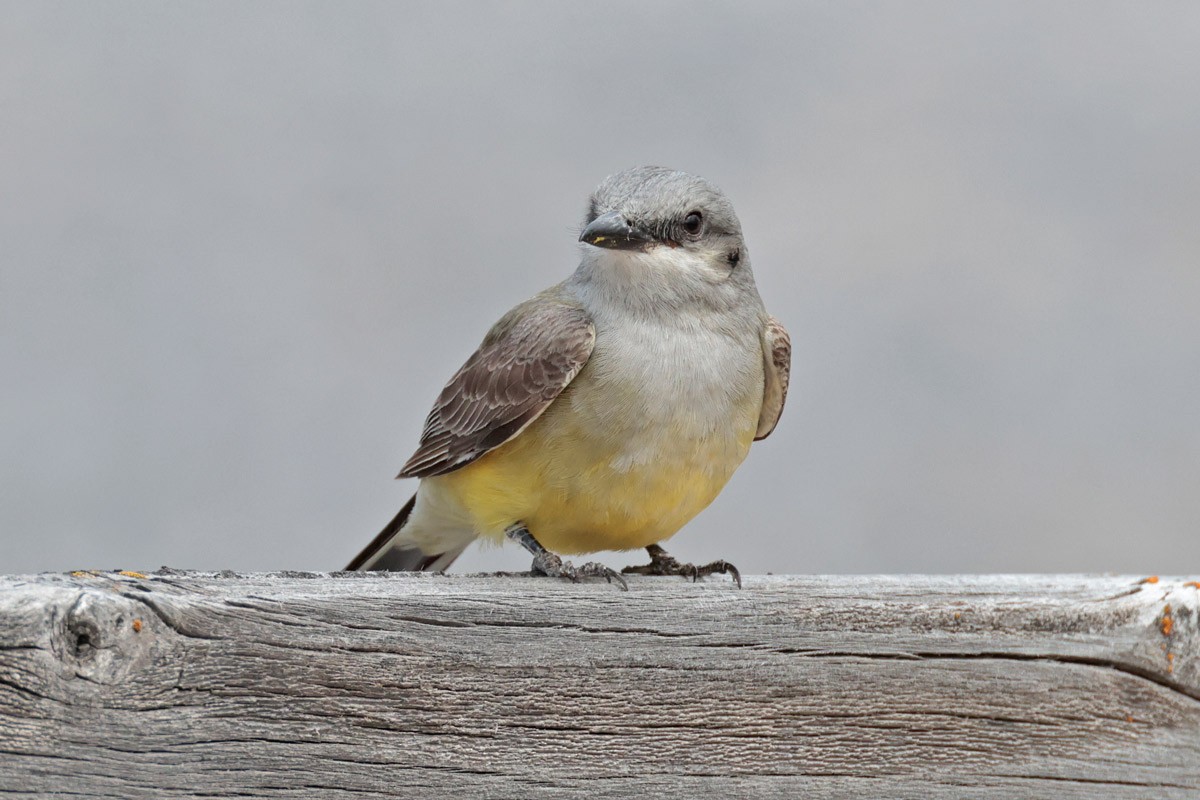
(137, 626)
(1170, 663)
(1168, 622)
(1151, 579)
(131, 574)
(1193, 584)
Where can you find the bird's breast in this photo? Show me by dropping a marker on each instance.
(641, 441)
(651, 386)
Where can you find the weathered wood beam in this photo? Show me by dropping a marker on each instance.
(350, 685)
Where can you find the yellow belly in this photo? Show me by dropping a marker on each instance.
(580, 487)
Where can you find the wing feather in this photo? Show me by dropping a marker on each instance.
(777, 368)
(523, 364)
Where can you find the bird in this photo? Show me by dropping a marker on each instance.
(607, 411)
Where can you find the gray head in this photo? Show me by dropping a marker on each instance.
(647, 207)
(669, 232)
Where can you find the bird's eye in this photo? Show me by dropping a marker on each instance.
(693, 222)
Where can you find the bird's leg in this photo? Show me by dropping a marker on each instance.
(663, 563)
(546, 563)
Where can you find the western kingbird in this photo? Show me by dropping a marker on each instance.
(607, 411)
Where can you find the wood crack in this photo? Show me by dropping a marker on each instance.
(1119, 666)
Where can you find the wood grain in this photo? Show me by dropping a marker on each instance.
(351, 685)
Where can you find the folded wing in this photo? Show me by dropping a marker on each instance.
(523, 364)
(777, 367)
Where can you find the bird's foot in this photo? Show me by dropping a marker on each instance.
(663, 563)
(548, 564)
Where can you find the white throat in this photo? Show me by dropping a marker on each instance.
(661, 281)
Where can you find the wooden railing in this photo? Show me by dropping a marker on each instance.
(351, 685)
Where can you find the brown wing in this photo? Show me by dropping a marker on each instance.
(525, 362)
(777, 367)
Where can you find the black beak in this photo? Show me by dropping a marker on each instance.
(613, 231)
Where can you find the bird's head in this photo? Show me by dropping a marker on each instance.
(666, 231)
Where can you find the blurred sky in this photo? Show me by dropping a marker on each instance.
(243, 245)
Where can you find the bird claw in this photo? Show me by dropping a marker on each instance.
(550, 565)
(723, 567)
(594, 569)
(662, 563)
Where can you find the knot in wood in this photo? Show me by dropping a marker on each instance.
(96, 639)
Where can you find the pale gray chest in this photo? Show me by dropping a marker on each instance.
(681, 378)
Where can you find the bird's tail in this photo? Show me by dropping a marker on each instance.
(384, 553)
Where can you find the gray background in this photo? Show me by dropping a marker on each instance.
(243, 245)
